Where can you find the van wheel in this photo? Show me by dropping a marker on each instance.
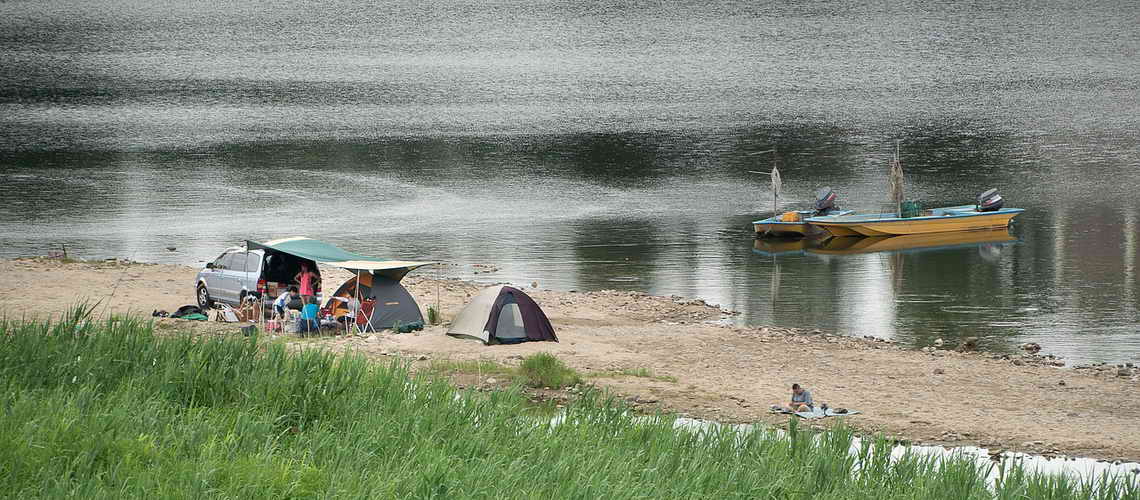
(204, 301)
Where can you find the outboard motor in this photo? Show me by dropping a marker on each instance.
(824, 201)
(990, 201)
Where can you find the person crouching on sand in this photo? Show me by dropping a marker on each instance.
(801, 399)
(282, 303)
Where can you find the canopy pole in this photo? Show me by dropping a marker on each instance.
(438, 313)
(355, 308)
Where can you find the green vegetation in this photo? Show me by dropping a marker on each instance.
(537, 370)
(633, 372)
(107, 409)
(545, 370)
(477, 367)
(432, 315)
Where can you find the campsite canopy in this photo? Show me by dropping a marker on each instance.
(331, 255)
(384, 301)
(502, 315)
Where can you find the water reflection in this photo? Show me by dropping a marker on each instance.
(988, 243)
(589, 148)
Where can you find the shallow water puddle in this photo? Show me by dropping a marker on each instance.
(1072, 466)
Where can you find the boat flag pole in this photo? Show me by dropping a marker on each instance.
(895, 179)
(777, 184)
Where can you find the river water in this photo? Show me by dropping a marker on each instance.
(592, 146)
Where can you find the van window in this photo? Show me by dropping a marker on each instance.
(233, 261)
(252, 263)
(220, 262)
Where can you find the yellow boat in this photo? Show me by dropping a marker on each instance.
(793, 223)
(848, 245)
(793, 226)
(784, 224)
(938, 220)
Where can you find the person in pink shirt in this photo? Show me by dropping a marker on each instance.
(307, 280)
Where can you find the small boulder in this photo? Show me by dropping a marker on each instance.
(968, 344)
(1123, 372)
(939, 371)
(938, 342)
(1031, 347)
(1018, 362)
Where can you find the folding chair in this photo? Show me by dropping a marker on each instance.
(364, 316)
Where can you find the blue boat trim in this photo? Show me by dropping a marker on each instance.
(967, 209)
(775, 218)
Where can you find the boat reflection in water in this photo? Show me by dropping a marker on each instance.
(773, 247)
(849, 245)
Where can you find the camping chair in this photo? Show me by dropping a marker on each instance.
(364, 316)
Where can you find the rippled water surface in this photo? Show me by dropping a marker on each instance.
(600, 146)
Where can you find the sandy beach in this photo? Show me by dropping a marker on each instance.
(723, 372)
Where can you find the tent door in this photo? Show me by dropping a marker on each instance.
(510, 327)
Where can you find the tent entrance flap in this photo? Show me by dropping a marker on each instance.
(509, 327)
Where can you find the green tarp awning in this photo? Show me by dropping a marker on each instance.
(328, 254)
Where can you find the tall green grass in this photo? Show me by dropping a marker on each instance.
(433, 315)
(545, 370)
(107, 409)
(633, 372)
(536, 370)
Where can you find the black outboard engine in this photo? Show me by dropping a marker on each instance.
(990, 201)
(825, 201)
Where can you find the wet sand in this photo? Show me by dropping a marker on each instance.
(723, 372)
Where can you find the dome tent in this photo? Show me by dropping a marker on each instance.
(384, 302)
(502, 315)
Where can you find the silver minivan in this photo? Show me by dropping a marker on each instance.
(238, 273)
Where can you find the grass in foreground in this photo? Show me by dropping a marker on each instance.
(476, 367)
(537, 370)
(545, 370)
(110, 410)
(634, 372)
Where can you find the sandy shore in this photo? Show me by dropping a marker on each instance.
(722, 372)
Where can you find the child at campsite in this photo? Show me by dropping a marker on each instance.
(309, 320)
(351, 303)
(282, 303)
(307, 279)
